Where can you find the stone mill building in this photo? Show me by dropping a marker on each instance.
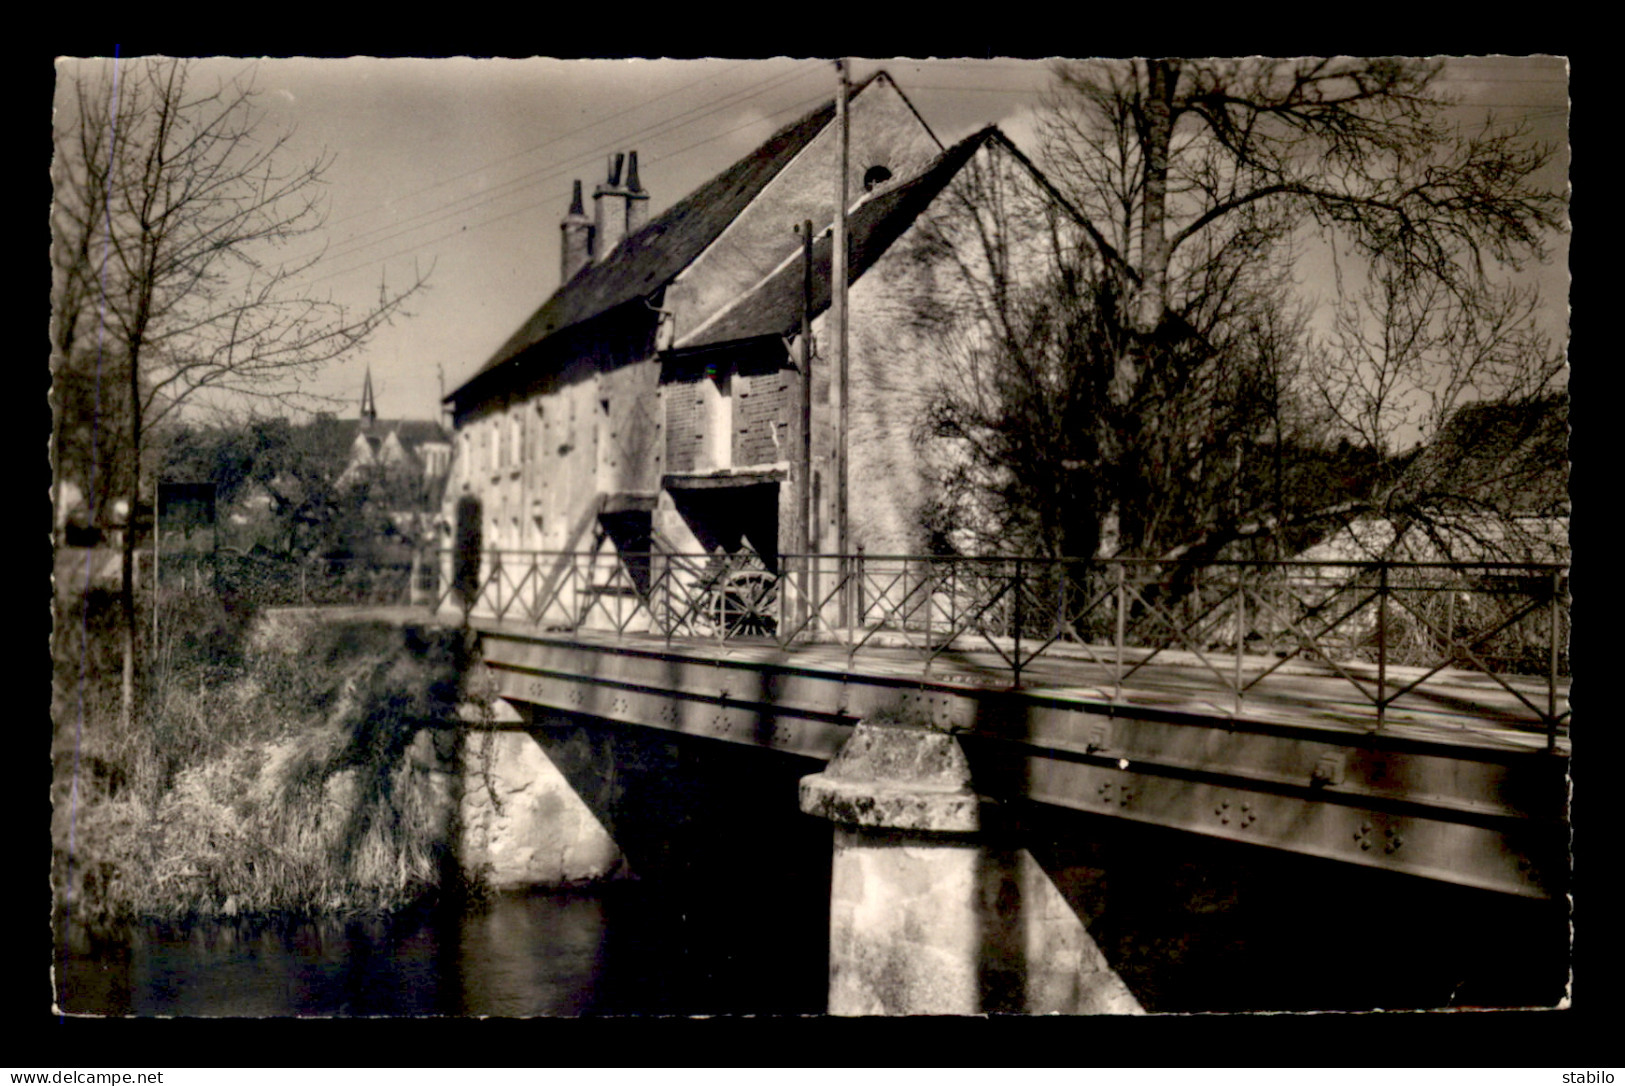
(653, 401)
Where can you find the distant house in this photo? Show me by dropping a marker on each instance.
(1492, 486)
(653, 400)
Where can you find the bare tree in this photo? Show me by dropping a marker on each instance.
(175, 207)
(1468, 376)
(1159, 154)
(1403, 354)
(1177, 339)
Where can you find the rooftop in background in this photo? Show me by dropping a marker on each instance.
(1507, 457)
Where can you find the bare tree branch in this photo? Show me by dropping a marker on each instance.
(174, 203)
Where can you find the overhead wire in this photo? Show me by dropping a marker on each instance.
(665, 126)
(372, 261)
(533, 148)
(357, 242)
(462, 205)
(710, 76)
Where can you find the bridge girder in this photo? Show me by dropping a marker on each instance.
(1470, 813)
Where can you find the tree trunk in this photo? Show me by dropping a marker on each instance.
(1157, 128)
(127, 566)
(1163, 78)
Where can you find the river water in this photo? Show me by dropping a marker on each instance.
(741, 926)
(620, 949)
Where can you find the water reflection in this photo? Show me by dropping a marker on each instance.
(525, 956)
(515, 955)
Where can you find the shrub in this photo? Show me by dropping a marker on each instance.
(266, 773)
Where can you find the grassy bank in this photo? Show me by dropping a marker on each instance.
(267, 771)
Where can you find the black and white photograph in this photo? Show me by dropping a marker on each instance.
(809, 537)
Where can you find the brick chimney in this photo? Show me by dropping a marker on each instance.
(619, 207)
(576, 249)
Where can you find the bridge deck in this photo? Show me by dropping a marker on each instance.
(1450, 707)
(1457, 784)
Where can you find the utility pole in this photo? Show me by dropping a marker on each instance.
(805, 496)
(838, 276)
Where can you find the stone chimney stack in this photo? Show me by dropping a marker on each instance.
(637, 201)
(609, 210)
(620, 207)
(576, 250)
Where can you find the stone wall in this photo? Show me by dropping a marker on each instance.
(919, 319)
(884, 131)
(520, 822)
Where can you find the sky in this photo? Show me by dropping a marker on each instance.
(462, 168)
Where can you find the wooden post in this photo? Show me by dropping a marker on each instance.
(1241, 633)
(1551, 685)
(1122, 621)
(1382, 642)
(1016, 655)
(157, 545)
(838, 314)
(858, 571)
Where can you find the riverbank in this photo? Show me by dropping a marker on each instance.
(293, 763)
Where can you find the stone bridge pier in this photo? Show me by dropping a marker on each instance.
(934, 910)
(930, 904)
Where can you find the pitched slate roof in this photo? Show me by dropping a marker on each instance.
(773, 307)
(332, 439)
(654, 255)
(413, 432)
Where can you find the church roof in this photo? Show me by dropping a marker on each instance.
(333, 439)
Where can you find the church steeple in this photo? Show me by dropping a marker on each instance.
(369, 409)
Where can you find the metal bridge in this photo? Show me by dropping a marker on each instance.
(1398, 715)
